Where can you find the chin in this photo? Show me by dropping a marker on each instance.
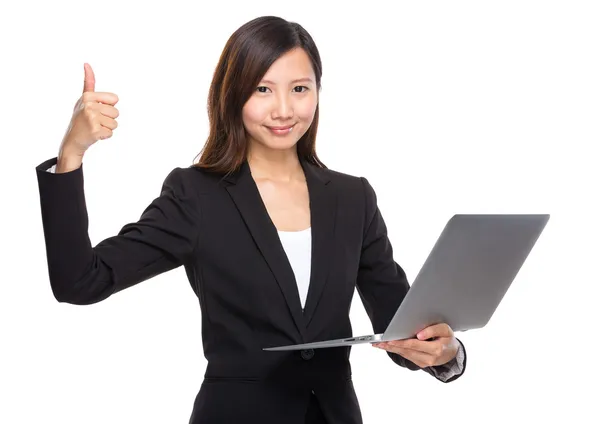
(279, 144)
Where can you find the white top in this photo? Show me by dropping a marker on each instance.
(298, 248)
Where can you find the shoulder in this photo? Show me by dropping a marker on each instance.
(188, 184)
(353, 190)
(354, 193)
(192, 179)
(355, 184)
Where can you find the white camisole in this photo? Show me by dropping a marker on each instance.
(298, 248)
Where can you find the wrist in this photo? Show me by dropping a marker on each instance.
(68, 161)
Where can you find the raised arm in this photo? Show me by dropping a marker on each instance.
(162, 239)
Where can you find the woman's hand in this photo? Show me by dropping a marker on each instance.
(94, 117)
(434, 345)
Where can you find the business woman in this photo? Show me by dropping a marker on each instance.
(273, 243)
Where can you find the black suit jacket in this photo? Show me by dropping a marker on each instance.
(218, 228)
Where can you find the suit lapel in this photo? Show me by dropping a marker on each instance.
(247, 199)
(322, 209)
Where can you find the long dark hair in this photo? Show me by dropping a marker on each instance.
(246, 58)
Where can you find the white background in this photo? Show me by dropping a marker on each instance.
(445, 106)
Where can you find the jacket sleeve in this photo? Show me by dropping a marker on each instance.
(162, 239)
(382, 284)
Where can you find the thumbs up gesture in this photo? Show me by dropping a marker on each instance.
(93, 118)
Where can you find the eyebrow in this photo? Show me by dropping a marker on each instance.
(293, 82)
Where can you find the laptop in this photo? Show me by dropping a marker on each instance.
(466, 275)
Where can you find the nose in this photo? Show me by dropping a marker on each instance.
(283, 108)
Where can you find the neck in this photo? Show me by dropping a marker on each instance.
(276, 165)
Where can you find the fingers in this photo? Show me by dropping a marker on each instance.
(89, 79)
(99, 109)
(441, 349)
(435, 347)
(104, 133)
(420, 358)
(108, 122)
(436, 354)
(108, 110)
(100, 97)
(436, 330)
(105, 116)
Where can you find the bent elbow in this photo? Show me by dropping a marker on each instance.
(91, 288)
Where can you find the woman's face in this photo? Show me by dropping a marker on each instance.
(283, 105)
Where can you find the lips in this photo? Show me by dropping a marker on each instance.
(281, 130)
(287, 127)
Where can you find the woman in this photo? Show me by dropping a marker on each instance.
(273, 243)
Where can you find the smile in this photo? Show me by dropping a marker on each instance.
(281, 130)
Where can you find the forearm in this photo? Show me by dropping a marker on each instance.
(65, 223)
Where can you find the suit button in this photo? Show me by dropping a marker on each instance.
(307, 354)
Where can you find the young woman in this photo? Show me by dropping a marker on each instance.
(273, 243)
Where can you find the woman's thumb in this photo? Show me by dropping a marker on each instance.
(89, 81)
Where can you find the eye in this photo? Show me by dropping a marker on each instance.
(263, 89)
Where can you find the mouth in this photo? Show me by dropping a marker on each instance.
(283, 130)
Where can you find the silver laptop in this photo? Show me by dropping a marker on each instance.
(463, 280)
